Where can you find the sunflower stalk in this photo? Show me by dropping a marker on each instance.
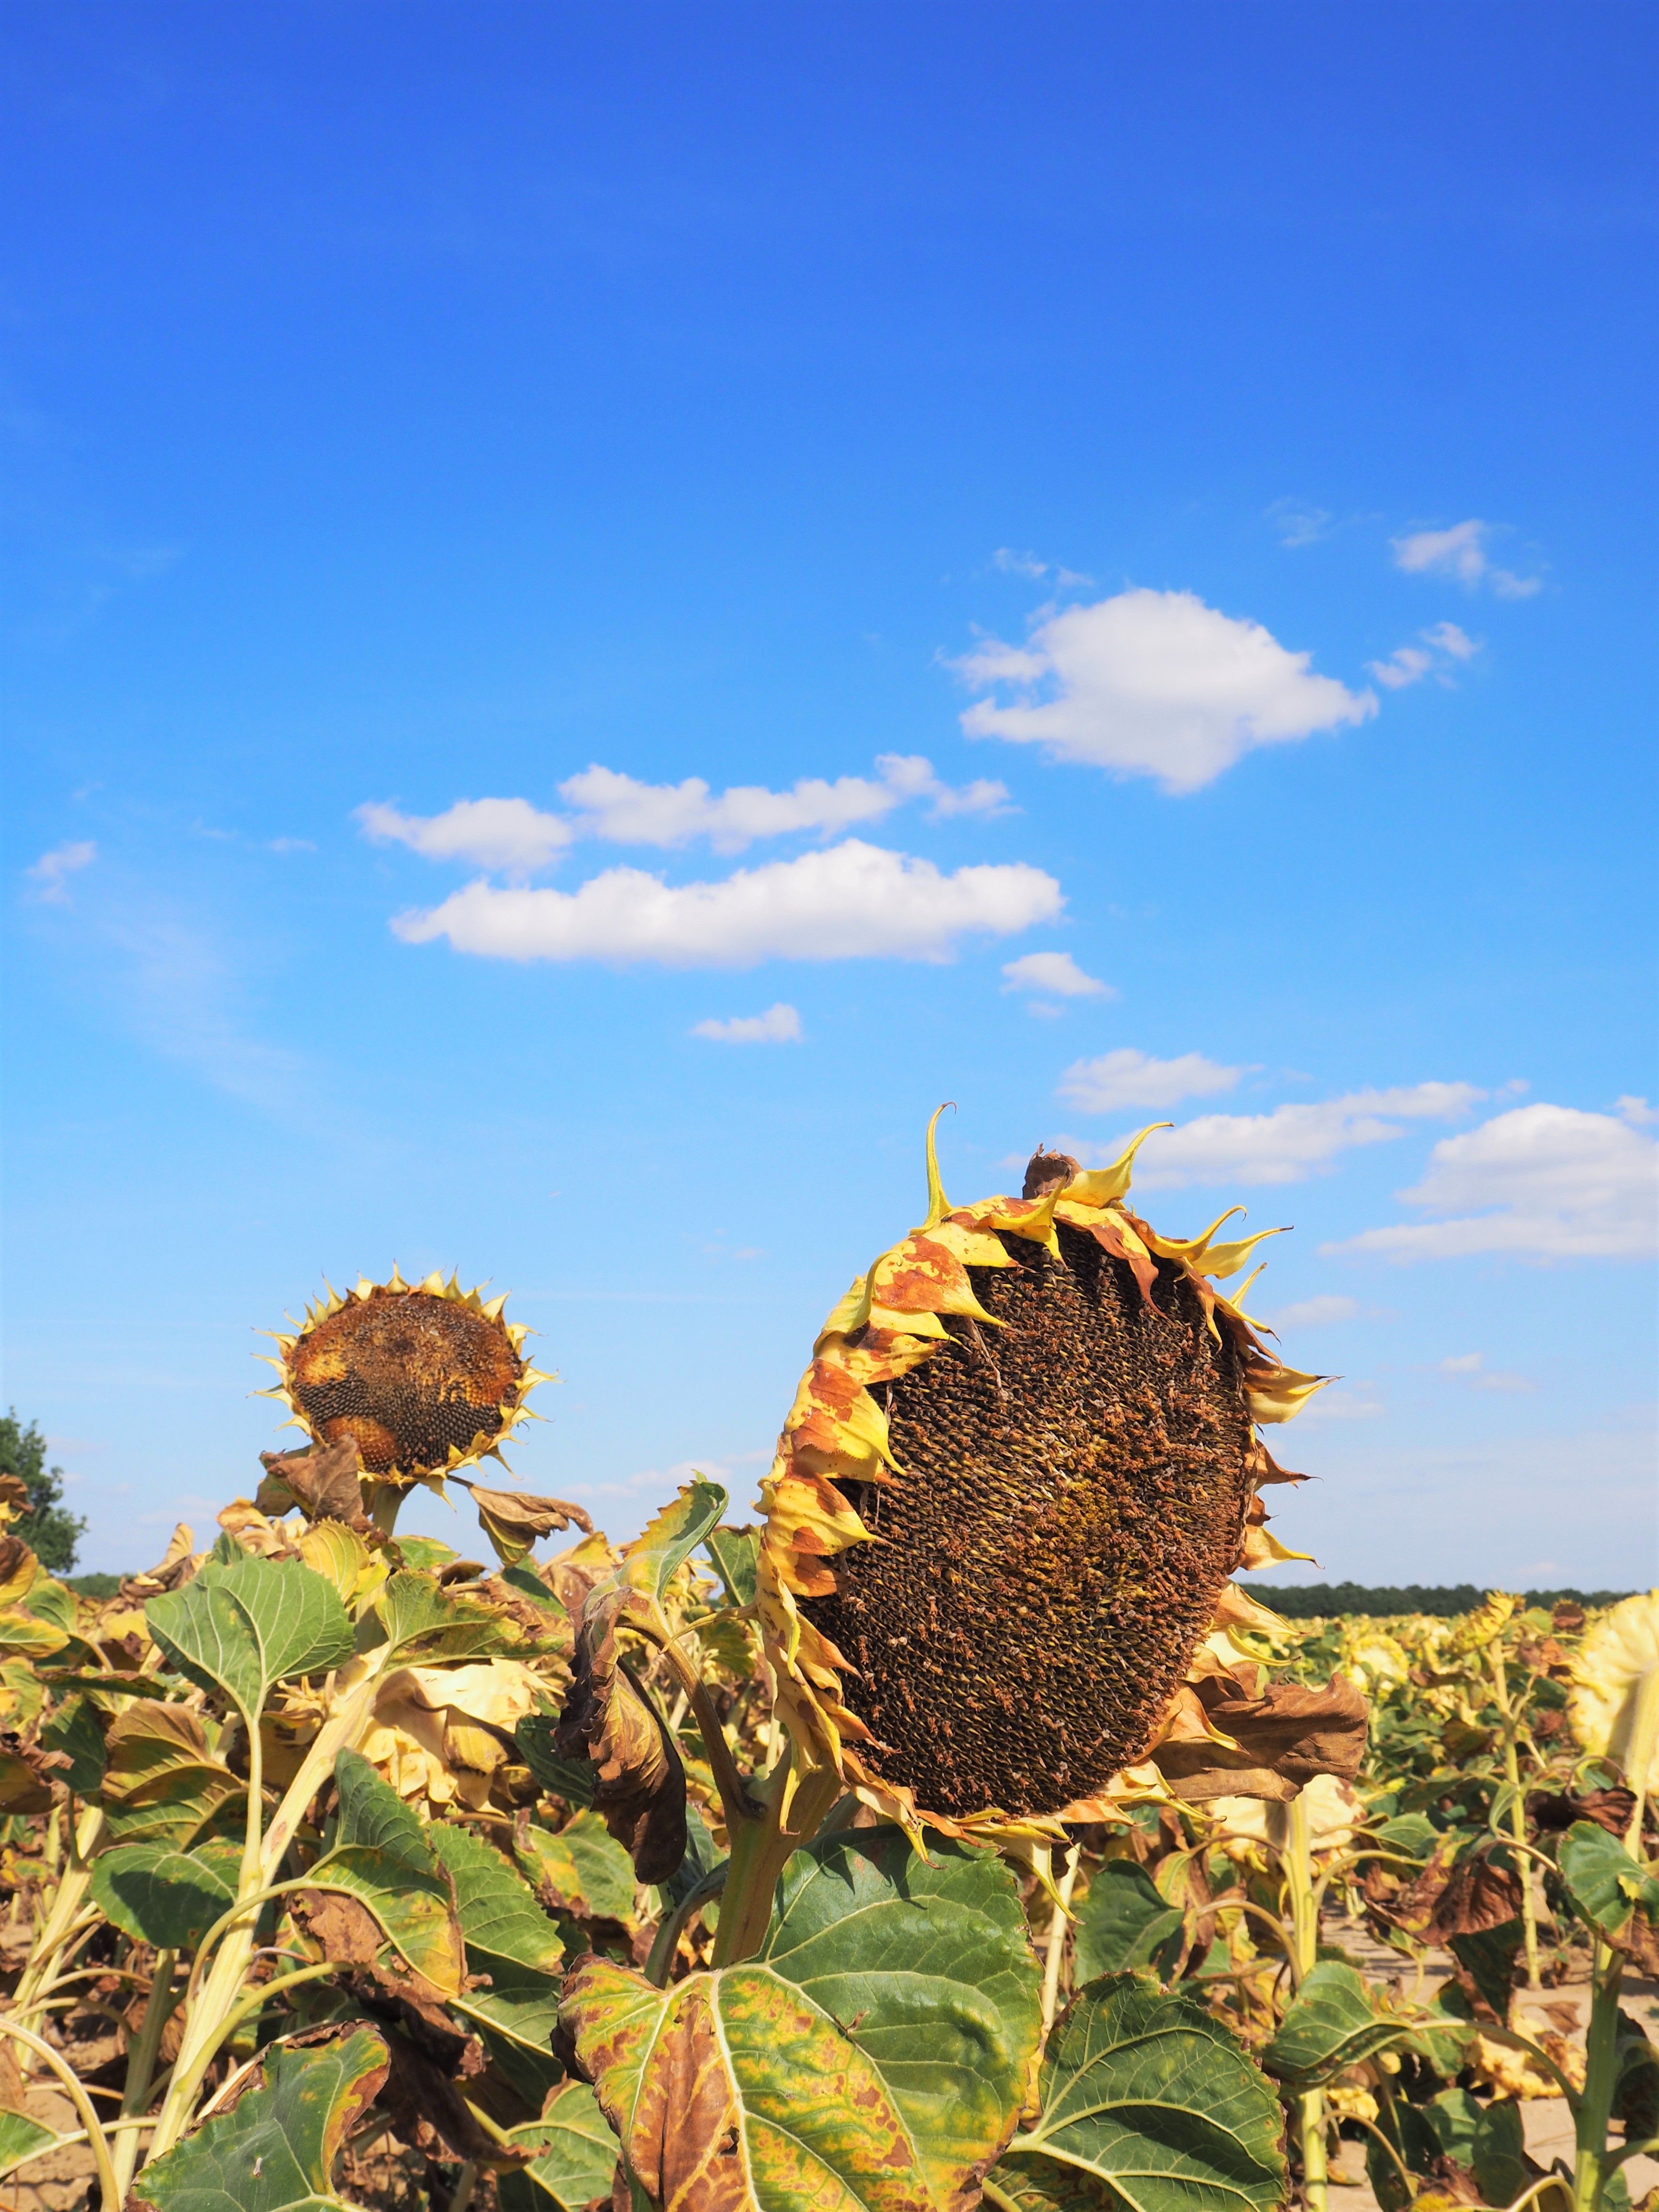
(1310, 2108)
(1513, 1726)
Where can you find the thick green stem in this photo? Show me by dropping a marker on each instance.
(1511, 1730)
(762, 1849)
(141, 2066)
(62, 1922)
(1055, 1956)
(1593, 2166)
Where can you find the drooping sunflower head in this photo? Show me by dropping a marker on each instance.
(424, 1377)
(1615, 1695)
(1008, 1498)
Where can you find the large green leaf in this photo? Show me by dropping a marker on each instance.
(425, 1623)
(22, 2138)
(1123, 1921)
(276, 2151)
(575, 2156)
(244, 1627)
(1604, 1883)
(873, 2054)
(507, 1936)
(666, 1542)
(165, 1897)
(1147, 2102)
(582, 1869)
(380, 1854)
(74, 1729)
(1331, 2023)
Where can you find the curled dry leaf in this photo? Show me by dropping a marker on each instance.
(325, 1480)
(13, 1493)
(513, 1519)
(177, 1564)
(640, 1795)
(1281, 1740)
(1478, 1896)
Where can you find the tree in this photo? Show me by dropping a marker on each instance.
(51, 1531)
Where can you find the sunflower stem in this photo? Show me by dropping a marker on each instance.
(1509, 1712)
(1592, 2166)
(1298, 1866)
(1055, 1956)
(794, 1805)
(141, 2066)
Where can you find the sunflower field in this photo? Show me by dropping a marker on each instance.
(957, 1833)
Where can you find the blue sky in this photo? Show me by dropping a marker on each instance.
(1094, 563)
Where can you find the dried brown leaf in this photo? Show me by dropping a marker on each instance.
(1283, 1738)
(640, 1795)
(325, 1480)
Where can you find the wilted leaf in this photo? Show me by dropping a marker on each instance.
(382, 1856)
(507, 1936)
(275, 2150)
(165, 1897)
(14, 1492)
(25, 1777)
(1124, 1923)
(580, 1870)
(513, 1519)
(573, 2157)
(1146, 2101)
(1486, 1958)
(22, 2138)
(1477, 1896)
(736, 1553)
(572, 1779)
(656, 1555)
(161, 1783)
(639, 1781)
(50, 1601)
(874, 2052)
(424, 1621)
(1284, 1738)
(340, 1556)
(1331, 2023)
(323, 1481)
(73, 1730)
(25, 1635)
(175, 1566)
(18, 1569)
(242, 1628)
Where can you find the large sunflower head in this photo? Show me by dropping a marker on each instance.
(424, 1377)
(1615, 1693)
(1006, 1503)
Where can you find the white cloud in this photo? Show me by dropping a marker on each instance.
(1409, 664)
(1055, 972)
(1636, 1111)
(512, 836)
(1315, 1313)
(854, 901)
(1298, 524)
(50, 870)
(1470, 1369)
(1406, 664)
(1153, 684)
(1013, 563)
(1290, 1142)
(509, 834)
(1128, 1078)
(779, 1025)
(1462, 552)
(1340, 1405)
(1545, 1182)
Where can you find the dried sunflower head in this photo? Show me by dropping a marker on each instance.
(1005, 1505)
(424, 1377)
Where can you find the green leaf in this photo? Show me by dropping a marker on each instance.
(161, 1783)
(245, 1627)
(507, 1936)
(22, 1635)
(584, 1869)
(424, 1622)
(380, 1855)
(22, 2138)
(74, 1730)
(1412, 1834)
(576, 2156)
(530, 1584)
(1604, 1883)
(1498, 2153)
(168, 1898)
(736, 1555)
(572, 1779)
(873, 2054)
(1123, 1921)
(1331, 2024)
(1147, 2101)
(1488, 1959)
(276, 2151)
(50, 1601)
(656, 1555)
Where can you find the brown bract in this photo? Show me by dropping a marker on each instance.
(641, 1784)
(1004, 1510)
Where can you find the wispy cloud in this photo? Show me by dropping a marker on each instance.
(854, 901)
(1409, 664)
(1316, 1312)
(518, 839)
(1291, 1142)
(1470, 1369)
(50, 874)
(1055, 973)
(1014, 563)
(1542, 1182)
(1152, 683)
(779, 1025)
(1299, 524)
(1129, 1078)
(1461, 551)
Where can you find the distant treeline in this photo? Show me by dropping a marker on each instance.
(1314, 1601)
